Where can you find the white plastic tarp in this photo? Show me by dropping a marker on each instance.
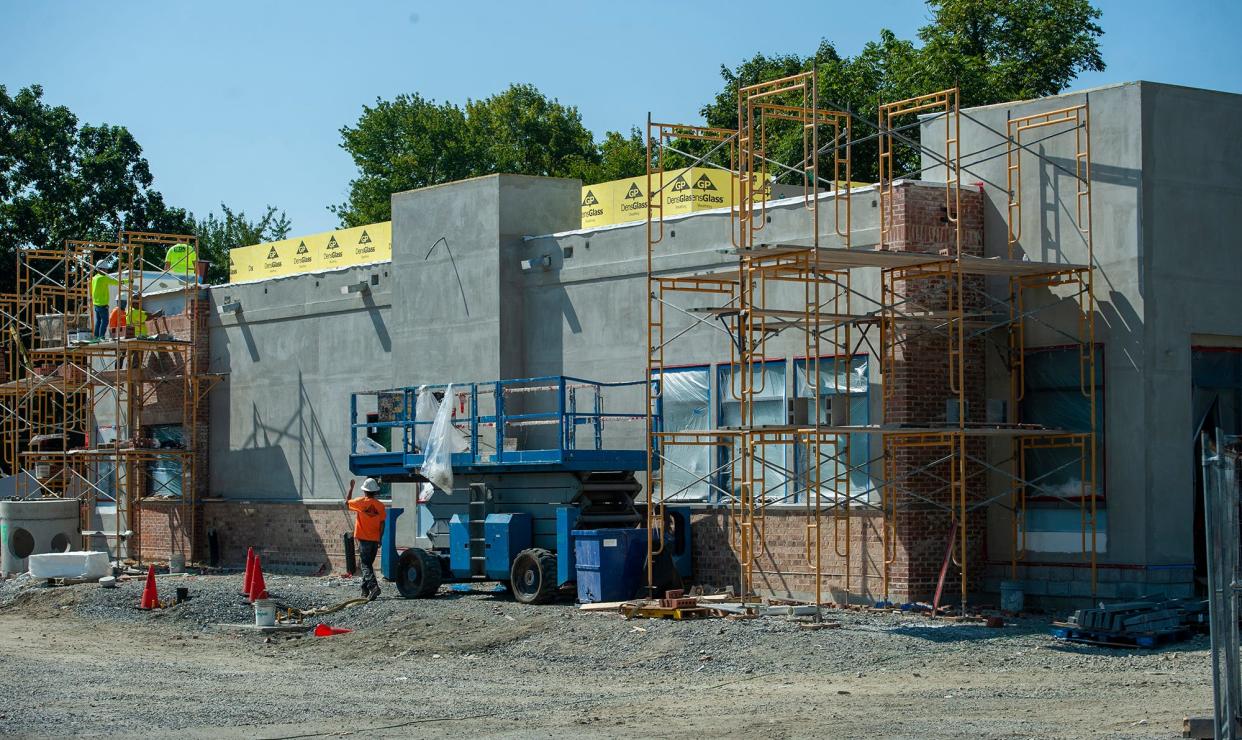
(768, 381)
(837, 377)
(686, 403)
(443, 439)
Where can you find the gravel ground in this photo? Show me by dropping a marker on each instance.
(84, 660)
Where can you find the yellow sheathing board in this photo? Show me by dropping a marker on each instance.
(684, 191)
(314, 253)
(243, 264)
(677, 197)
(632, 199)
(599, 204)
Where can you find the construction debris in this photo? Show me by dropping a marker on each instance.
(1147, 623)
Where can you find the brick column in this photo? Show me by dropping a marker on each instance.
(920, 395)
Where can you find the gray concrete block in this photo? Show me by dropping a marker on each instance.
(1035, 588)
(1159, 576)
(1081, 588)
(1105, 590)
(1180, 590)
(1058, 588)
(1061, 574)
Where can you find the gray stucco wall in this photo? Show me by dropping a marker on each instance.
(291, 356)
(1192, 191)
(1164, 187)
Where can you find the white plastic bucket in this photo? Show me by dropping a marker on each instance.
(1011, 596)
(265, 613)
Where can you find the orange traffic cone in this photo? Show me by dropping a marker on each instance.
(249, 571)
(258, 589)
(150, 597)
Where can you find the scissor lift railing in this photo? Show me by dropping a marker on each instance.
(582, 430)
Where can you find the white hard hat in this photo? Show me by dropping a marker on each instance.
(370, 485)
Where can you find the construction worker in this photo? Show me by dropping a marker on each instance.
(137, 318)
(368, 531)
(116, 320)
(180, 259)
(101, 283)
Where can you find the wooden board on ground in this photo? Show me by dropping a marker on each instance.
(601, 606)
(659, 612)
(256, 628)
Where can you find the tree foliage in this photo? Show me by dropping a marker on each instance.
(60, 179)
(412, 142)
(993, 50)
(232, 229)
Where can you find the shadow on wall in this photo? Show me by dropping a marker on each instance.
(267, 464)
(302, 432)
(312, 442)
(377, 320)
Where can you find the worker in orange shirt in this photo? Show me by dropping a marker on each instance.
(368, 531)
(116, 320)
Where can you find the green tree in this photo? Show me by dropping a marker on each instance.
(411, 142)
(620, 156)
(993, 50)
(232, 229)
(63, 180)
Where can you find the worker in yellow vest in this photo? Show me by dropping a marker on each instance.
(180, 259)
(137, 318)
(101, 284)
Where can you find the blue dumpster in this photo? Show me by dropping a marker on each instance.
(609, 563)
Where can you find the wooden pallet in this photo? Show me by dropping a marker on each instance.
(1147, 640)
(660, 612)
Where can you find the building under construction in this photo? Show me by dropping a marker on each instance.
(991, 365)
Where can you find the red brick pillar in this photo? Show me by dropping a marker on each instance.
(919, 394)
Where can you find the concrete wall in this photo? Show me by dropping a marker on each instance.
(1192, 185)
(1048, 230)
(472, 295)
(1163, 171)
(291, 357)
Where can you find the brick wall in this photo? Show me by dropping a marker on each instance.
(290, 536)
(782, 567)
(164, 527)
(919, 394)
(165, 524)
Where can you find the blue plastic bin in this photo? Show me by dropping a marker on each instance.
(609, 563)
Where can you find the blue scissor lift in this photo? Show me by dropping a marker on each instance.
(543, 456)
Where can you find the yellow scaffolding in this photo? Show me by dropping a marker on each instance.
(920, 293)
(66, 384)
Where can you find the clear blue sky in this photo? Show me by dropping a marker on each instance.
(241, 102)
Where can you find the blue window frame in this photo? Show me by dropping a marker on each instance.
(839, 378)
(1053, 397)
(685, 404)
(770, 409)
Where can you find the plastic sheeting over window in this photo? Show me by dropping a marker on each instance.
(769, 410)
(1054, 398)
(838, 377)
(686, 407)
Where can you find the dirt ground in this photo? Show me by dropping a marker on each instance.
(82, 660)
